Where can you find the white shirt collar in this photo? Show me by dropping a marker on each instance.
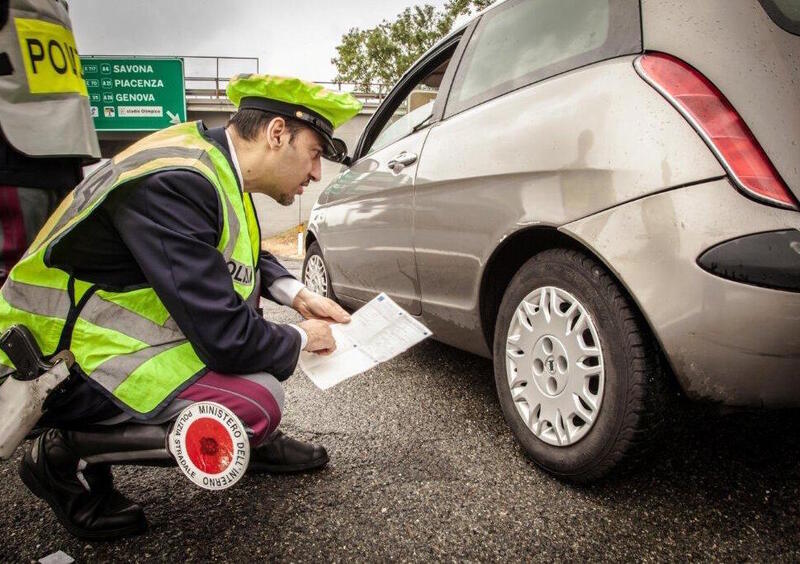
(234, 159)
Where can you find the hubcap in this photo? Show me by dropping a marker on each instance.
(316, 279)
(554, 365)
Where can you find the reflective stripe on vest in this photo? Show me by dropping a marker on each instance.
(125, 341)
(44, 107)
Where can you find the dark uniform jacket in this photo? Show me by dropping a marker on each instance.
(59, 174)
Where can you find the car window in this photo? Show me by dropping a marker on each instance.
(523, 41)
(411, 108)
(785, 13)
(404, 124)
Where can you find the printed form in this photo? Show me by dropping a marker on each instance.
(377, 332)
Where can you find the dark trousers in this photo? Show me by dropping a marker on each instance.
(256, 399)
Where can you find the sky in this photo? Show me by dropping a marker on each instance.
(289, 37)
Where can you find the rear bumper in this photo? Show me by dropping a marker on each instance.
(726, 340)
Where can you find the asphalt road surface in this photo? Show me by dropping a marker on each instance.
(424, 468)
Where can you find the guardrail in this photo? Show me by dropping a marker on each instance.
(205, 88)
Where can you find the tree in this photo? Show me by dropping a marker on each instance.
(376, 58)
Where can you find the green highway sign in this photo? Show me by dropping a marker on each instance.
(135, 94)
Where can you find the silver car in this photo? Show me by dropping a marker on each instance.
(600, 195)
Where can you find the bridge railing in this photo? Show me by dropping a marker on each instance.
(207, 78)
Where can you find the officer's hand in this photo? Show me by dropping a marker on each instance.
(314, 306)
(320, 338)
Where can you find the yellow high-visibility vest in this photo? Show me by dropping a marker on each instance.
(126, 342)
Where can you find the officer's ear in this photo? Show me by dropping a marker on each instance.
(277, 133)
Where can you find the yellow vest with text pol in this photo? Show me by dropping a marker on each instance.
(125, 342)
(44, 104)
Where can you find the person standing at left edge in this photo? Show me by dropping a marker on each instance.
(46, 128)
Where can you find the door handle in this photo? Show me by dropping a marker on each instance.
(401, 161)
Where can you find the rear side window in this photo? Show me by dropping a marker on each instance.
(785, 13)
(524, 41)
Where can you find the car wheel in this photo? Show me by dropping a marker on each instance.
(577, 372)
(315, 272)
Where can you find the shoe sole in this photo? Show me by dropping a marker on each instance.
(262, 468)
(32, 482)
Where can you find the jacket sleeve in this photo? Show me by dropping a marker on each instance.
(271, 270)
(171, 223)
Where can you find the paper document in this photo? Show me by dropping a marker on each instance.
(377, 332)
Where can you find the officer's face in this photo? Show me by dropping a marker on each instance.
(296, 164)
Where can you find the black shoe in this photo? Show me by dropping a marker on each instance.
(82, 496)
(283, 454)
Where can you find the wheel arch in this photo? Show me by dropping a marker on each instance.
(311, 238)
(514, 251)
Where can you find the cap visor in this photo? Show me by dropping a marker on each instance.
(335, 149)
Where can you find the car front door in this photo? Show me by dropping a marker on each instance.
(366, 213)
(367, 233)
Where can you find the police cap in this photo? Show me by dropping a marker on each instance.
(321, 109)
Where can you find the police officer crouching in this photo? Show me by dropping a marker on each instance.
(150, 273)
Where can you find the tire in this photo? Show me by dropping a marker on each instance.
(608, 359)
(316, 275)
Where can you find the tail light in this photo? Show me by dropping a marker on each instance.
(719, 124)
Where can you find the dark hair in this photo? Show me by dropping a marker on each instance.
(249, 123)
